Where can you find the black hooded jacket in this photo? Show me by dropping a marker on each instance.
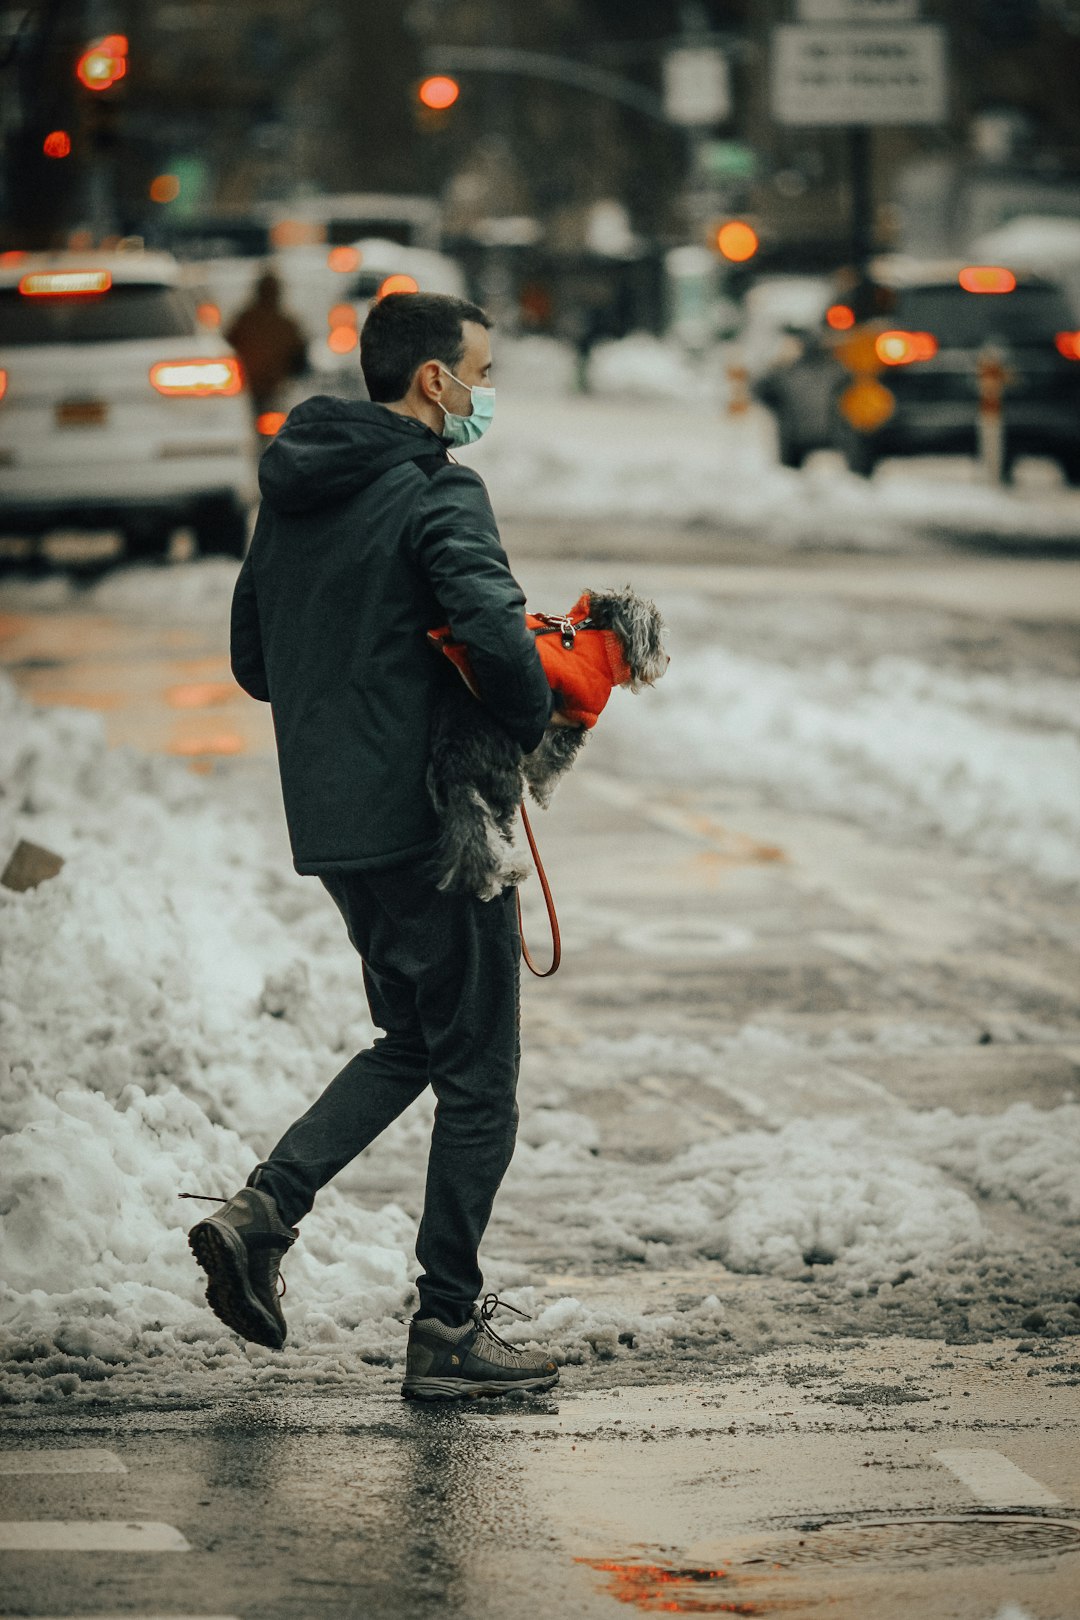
(368, 537)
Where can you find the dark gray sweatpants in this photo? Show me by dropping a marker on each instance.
(442, 979)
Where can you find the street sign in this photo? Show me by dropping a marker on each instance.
(697, 86)
(856, 11)
(832, 75)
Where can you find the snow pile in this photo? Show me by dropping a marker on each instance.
(176, 996)
(645, 367)
(160, 1014)
(992, 763)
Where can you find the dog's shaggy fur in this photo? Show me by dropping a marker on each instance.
(477, 774)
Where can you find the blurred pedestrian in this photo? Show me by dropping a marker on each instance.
(369, 534)
(271, 344)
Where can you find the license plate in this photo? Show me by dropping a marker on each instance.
(81, 413)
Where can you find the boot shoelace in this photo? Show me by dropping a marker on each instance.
(216, 1198)
(488, 1306)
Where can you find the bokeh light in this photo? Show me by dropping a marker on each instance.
(343, 259)
(57, 144)
(398, 284)
(165, 188)
(737, 241)
(841, 317)
(439, 92)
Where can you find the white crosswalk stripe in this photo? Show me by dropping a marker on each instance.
(81, 1460)
(90, 1535)
(994, 1479)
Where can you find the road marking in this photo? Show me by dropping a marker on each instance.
(995, 1480)
(90, 1535)
(79, 1460)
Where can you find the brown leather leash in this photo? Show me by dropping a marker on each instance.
(556, 942)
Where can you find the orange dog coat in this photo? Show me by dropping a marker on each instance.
(582, 664)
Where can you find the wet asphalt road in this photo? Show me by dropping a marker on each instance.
(949, 1495)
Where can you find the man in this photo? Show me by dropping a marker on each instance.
(368, 536)
(269, 342)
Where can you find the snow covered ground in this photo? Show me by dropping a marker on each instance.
(176, 995)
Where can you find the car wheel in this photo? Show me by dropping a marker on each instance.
(859, 454)
(145, 540)
(1070, 467)
(788, 451)
(221, 528)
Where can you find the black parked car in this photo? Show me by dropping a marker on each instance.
(918, 331)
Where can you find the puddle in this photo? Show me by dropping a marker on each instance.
(765, 1574)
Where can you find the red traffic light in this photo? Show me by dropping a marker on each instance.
(57, 144)
(439, 92)
(103, 63)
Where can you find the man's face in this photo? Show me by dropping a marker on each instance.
(473, 369)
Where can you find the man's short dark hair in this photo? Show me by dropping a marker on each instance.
(403, 330)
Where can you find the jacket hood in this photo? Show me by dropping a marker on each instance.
(330, 449)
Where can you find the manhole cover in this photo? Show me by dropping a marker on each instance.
(945, 1540)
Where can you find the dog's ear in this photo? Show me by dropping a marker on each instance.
(640, 628)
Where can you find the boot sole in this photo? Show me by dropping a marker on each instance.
(464, 1389)
(229, 1294)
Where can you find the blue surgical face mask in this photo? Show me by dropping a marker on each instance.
(461, 430)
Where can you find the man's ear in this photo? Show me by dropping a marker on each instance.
(430, 380)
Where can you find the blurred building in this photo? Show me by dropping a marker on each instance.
(555, 195)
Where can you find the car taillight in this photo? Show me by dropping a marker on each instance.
(65, 283)
(987, 278)
(3, 383)
(200, 377)
(267, 423)
(902, 348)
(841, 317)
(1068, 344)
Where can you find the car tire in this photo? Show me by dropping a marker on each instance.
(221, 528)
(859, 454)
(146, 540)
(789, 452)
(1070, 467)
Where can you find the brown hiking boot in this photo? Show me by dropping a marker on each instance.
(451, 1364)
(240, 1249)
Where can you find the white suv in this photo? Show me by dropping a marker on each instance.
(118, 409)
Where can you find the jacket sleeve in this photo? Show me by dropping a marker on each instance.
(459, 551)
(245, 641)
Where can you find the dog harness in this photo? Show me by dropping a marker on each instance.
(582, 662)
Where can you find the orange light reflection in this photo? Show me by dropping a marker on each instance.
(649, 1587)
(201, 695)
(225, 742)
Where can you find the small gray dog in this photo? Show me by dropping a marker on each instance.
(477, 774)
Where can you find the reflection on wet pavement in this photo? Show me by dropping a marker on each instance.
(160, 689)
(660, 1589)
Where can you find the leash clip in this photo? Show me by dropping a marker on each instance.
(563, 624)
